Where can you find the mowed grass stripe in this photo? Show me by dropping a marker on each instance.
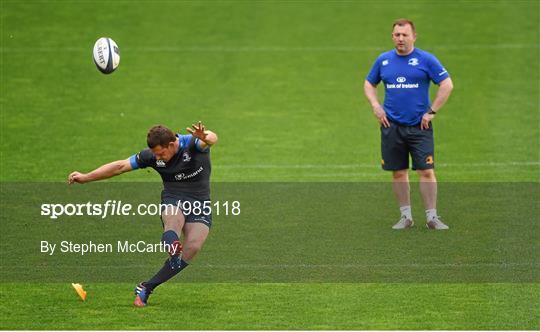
(243, 73)
(274, 306)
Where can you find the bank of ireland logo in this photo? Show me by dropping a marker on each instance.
(186, 157)
(401, 79)
(413, 62)
(160, 163)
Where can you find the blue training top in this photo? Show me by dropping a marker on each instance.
(406, 83)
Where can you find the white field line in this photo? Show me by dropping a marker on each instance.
(374, 165)
(257, 49)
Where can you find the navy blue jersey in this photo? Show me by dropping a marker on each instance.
(188, 171)
(406, 83)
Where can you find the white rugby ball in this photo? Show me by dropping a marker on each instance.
(106, 55)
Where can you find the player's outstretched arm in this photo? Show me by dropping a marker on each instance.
(207, 138)
(103, 172)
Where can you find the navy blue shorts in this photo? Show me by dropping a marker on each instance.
(193, 209)
(399, 141)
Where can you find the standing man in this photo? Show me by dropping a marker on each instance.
(183, 161)
(406, 118)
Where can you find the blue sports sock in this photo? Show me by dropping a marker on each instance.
(164, 274)
(171, 239)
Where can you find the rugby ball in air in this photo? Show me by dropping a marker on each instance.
(106, 55)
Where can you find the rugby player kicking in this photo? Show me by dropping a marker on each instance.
(183, 162)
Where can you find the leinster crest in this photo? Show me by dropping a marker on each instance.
(186, 157)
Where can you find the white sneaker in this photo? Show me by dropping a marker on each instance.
(403, 223)
(436, 223)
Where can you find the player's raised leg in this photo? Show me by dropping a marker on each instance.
(173, 222)
(400, 184)
(428, 189)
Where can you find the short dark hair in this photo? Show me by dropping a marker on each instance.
(402, 22)
(159, 135)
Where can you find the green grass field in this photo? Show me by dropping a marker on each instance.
(281, 84)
